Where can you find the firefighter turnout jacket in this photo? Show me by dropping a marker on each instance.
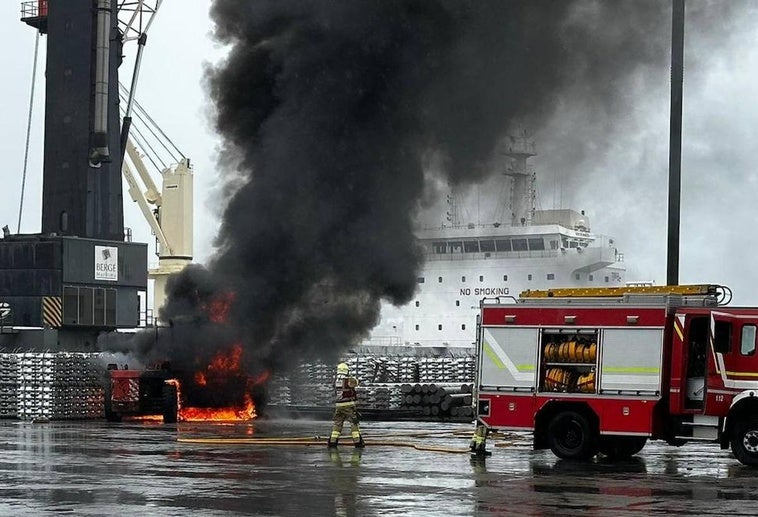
(344, 387)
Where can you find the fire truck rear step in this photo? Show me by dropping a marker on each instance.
(702, 427)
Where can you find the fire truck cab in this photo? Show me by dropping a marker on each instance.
(603, 370)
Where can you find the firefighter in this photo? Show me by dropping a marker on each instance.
(479, 441)
(344, 387)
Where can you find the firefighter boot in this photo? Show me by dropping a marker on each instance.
(334, 438)
(358, 440)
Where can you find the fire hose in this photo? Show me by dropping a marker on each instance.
(319, 441)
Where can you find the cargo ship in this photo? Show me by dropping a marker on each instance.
(465, 261)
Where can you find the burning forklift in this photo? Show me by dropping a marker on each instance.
(141, 394)
(222, 391)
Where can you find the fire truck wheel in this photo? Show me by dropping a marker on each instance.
(621, 447)
(745, 441)
(170, 404)
(571, 436)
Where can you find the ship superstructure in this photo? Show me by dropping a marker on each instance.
(465, 262)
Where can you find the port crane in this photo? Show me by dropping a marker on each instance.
(81, 275)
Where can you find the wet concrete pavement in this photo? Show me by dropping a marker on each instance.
(96, 468)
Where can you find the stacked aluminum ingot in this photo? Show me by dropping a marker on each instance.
(408, 370)
(381, 379)
(78, 391)
(312, 394)
(462, 369)
(386, 370)
(48, 386)
(279, 391)
(9, 371)
(363, 367)
(434, 369)
(314, 373)
(35, 400)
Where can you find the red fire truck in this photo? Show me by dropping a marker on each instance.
(604, 370)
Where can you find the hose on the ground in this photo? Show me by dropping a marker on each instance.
(316, 441)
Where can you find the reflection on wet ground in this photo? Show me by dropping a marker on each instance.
(95, 468)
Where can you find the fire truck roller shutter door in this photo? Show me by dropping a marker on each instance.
(631, 360)
(508, 357)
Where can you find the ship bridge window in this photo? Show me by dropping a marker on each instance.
(536, 244)
(553, 245)
(471, 246)
(420, 280)
(505, 278)
(573, 244)
(551, 276)
(487, 245)
(503, 245)
(455, 247)
(439, 247)
(519, 245)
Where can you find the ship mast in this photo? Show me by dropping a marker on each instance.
(452, 215)
(520, 148)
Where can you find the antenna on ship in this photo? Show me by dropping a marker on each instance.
(520, 147)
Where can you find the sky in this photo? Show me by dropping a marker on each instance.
(621, 183)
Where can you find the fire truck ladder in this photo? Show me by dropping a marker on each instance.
(722, 295)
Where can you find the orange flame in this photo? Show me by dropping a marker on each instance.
(226, 414)
(222, 365)
(229, 363)
(218, 307)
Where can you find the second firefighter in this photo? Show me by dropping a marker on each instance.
(345, 408)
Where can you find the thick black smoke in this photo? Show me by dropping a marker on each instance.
(331, 111)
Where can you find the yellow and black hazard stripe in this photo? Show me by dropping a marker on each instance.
(52, 311)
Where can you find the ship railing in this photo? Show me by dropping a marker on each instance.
(492, 254)
(33, 9)
(146, 318)
(382, 341)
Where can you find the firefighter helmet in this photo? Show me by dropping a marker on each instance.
(343, 368)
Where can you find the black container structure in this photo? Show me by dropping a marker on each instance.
(71, 288)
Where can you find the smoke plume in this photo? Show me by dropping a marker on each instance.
(331, 112)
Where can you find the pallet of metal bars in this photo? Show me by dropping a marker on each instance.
(279, 391)
(9, 378)
(408, 370)
(34, 402)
